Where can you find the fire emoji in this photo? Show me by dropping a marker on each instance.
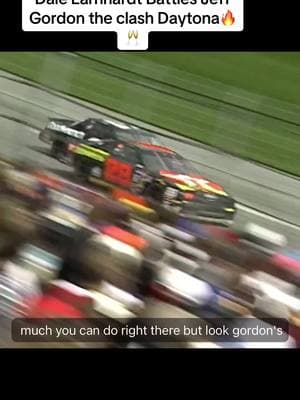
(228, 19)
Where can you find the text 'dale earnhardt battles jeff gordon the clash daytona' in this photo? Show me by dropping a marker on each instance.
(138, 16)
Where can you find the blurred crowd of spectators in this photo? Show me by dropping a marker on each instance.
(66, 252)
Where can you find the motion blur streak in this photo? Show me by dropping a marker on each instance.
(66, 254)
(71, 250)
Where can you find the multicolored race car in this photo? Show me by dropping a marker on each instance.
(160, 176)
(63, 134)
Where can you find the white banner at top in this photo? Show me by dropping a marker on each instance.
(133, 19)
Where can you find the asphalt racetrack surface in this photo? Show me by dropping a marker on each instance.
(272, 207)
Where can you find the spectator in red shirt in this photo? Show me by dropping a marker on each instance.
(69, 297)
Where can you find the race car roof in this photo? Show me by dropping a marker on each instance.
(122, 125)
(107, 121)
(154, 147)
(125, 131)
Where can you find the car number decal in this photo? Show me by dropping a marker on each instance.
(118, 172)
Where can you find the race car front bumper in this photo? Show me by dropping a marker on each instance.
(218, 209)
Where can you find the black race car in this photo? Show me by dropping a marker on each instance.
(63, 134)
(157, 174)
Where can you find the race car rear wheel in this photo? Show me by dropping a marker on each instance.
(96, 172)
(59, 151)
(80, 171)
